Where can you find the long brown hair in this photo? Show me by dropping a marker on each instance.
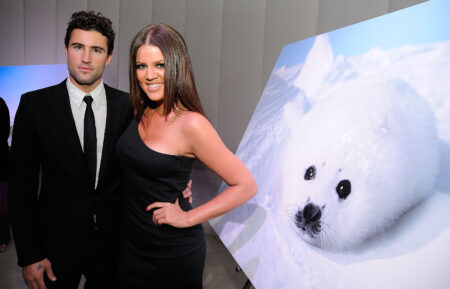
(179, 84)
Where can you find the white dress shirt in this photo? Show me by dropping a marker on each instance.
(78, 107)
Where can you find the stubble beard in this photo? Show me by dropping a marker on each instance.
(85, 82)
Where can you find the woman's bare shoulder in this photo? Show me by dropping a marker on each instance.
(192, 120)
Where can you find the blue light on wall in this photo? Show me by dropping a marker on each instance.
(16, 80)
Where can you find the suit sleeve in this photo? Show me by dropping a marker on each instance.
(4, 121)
(4, 134)
(23, 185)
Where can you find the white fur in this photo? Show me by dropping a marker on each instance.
(379, 135)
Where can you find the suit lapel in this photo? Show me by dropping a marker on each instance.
(60, 105)
(113, 117)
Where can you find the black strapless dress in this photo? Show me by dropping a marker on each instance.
(153, 256)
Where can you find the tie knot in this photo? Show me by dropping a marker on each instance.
(88, 99)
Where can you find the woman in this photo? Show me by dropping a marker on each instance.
(163, 244)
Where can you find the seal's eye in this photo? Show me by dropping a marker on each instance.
(343, 189)
(310, 173)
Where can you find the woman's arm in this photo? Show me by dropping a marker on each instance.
(206, 145)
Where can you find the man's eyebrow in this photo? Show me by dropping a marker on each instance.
(98, 47)
(76, 44)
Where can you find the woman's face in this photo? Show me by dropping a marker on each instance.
(150, 71)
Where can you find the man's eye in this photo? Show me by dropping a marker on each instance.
(77, 47)
(98, 51)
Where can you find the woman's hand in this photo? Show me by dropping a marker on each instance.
(170, 214)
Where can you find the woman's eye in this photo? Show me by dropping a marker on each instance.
(310, 173)
(140, 66)
(160, 65)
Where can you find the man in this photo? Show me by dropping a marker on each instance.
(71, 228)
(63, 146)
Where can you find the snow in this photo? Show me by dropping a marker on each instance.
(414, 253)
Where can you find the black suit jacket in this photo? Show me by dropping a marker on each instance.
(61, 222)
(4, 134)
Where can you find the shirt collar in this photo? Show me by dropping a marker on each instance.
(76, 95)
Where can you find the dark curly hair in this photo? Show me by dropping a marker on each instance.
(89, 20)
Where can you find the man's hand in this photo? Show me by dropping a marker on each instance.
(34, 274)
(187, 194)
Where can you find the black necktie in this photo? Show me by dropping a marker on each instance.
(90, 138)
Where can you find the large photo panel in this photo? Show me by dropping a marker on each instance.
(350, 147)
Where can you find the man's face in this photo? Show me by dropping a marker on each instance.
(87, 56)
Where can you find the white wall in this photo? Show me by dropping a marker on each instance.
(233, 43)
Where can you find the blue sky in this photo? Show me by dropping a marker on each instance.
(422, 23)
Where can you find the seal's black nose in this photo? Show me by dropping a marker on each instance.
(308, 219)
(311, 213)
